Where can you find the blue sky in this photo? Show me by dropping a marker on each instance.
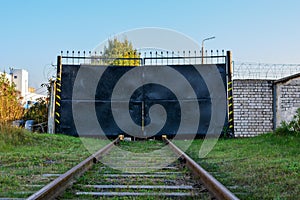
(33, 32)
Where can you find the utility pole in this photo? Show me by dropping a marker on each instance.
(202, 47)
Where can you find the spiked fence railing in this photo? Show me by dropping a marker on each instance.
(145, 58)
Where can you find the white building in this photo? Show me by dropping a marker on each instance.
(20, 79)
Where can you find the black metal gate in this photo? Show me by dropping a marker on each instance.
(165, 95)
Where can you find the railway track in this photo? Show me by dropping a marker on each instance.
(122, 172)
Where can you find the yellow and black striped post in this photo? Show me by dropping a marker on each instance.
(230, 93)
(58, 94)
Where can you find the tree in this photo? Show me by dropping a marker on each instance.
(120, 53)
(37, 112)
(10, 101)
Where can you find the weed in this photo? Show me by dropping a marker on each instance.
(263, 167)
(290, 128)
(25, 157)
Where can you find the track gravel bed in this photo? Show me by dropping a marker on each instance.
(127, 173)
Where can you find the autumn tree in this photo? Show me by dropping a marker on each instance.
(120, 53)
(10, 101)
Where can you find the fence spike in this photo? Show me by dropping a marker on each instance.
(167, 57)
(161, 56)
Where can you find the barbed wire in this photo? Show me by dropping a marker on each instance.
(150, 56)
(252, 70)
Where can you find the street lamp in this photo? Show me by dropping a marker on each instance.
(202, 48)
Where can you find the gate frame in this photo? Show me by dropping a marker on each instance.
(56, 93)
(230, 105)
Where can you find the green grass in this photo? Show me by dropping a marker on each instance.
(25, 157)
(264, 167)
(98, 174)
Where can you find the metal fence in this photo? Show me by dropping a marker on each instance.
(241, 70)
(145, 58)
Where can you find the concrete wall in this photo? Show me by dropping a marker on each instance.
(288, 98)
(253, 107)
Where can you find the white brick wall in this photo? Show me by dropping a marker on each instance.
(253, 107)
(288, 99)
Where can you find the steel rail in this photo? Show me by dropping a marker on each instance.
(57, 186)
(214, 186)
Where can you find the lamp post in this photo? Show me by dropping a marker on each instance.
(202, 48)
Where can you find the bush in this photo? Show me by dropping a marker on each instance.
(38, 112)
(295, 123)
(290, 128)
(13, 136)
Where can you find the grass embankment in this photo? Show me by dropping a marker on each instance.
(26, 159)
(264, 167)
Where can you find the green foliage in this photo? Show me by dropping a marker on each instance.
(37, 112)
(227, 132)
(290, 128)
(10, 102)
(263, 167)
(118, 49)
(10, 135)
(25, 157)
(295, 123)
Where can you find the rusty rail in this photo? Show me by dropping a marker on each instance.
(214, 186)
(57, 186)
